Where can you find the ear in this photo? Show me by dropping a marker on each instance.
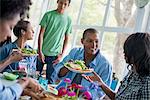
(22, 32)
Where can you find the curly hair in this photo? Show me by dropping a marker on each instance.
(9, 8)
(137, 51)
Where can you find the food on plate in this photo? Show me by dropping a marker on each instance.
(28, 51)
(20, 73)
(10, 76)
(77, 65)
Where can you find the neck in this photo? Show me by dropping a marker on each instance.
(60, 11)
(88, 57)
(21, 42)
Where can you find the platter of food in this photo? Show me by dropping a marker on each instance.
(78, 66)
(28, 52)
(10, 76)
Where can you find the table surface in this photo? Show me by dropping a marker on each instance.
(9, 83)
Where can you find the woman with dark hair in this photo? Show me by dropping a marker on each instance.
(10, 13)
(136, 85)
(24, 32)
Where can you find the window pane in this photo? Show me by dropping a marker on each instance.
(79, 34)
(112, 48)
(123, 15)
(93, 12)
(73, 10)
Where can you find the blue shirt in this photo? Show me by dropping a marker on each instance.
(100, 65)
(6, 50)
(12, 92)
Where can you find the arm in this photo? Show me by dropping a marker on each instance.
(106, 79)
(65, 43)
(15, 56)
(5, 63)
(101, 83)
(63, 72)
(107, 90)
(14, 91)
(40, 42)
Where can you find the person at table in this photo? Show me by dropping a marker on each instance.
(92, 57)
(10, 14)
(56, 27)
(24, 32)
(136, 84)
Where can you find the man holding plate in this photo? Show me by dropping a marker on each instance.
(93, 59)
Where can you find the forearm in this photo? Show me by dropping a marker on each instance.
(23, 82)
(40, 42)
(5, 63)
(108, 91)
(65, 44)
(40, 39)
(63, 72)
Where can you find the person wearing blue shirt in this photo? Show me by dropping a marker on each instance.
(23, 30)
(92, 57)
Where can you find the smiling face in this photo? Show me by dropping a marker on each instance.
(62, 5)
(90, 43)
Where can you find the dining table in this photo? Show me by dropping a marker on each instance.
(47, 96)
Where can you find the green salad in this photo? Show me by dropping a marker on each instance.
(77, 64)
(10, 76)
(28, 51)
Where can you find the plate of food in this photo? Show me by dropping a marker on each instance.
(28, 52)
(20, 73)
(78, 66)
(10, 76)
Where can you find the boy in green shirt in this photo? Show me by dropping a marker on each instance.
(53, 37)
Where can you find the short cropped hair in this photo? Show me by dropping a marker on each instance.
(89, 30)
(68, 0)
(137, 51)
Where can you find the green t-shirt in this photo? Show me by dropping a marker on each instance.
(56, 26)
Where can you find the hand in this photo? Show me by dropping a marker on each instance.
(34, 85)
(42, 57)
(63, 72)
(15, 56)
(58, 59)
(93, 78)
(29, 92)
(30, 83)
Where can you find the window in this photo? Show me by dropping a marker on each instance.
(112, 18)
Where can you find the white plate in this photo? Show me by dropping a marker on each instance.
(80, 71)
(29, 54)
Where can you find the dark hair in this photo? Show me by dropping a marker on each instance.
(137, 51)
(21, 25)
(9, 8)
(89, 30)
(68, 0)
